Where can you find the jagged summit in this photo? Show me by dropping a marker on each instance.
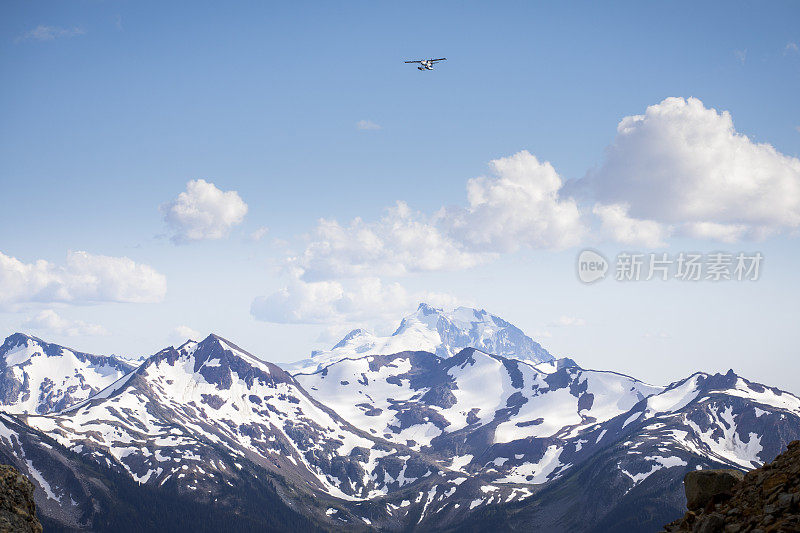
(215, 360)
(350, 336)
(38, 377)
(202, 410)
(395, 439)
(434, 330)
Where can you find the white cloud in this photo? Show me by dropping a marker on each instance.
(791, 48)
(616, 225)
(402, 241)
(203, 212)
(717, 232)
(678, 169)
(85, 278)
(367, 125)
(521, 205)
(332, 302)
(567, 321)
(50, 322)
(50, 33)
(184, 333)
(741, 55)
(684, 164)
(258, 234)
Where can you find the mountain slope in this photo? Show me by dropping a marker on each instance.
(396, 442)
(437, 331)
(419, 399)
(74, 493)
(632, 478)
(198, 415)
(39, 377)
(510, 426)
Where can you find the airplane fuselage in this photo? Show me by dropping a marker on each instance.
(426, 64)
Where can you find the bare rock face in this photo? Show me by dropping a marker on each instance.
(702, 486)
(764, 500)
(17, 510)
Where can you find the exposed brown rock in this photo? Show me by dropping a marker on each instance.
(766, 499)
(17, 510)
(702, 486)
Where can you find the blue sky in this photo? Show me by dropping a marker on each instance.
(110, 108)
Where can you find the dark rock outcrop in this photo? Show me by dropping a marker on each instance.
(17, 510)
(702, 486)
(767, 499)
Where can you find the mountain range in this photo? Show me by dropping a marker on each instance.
(436, 331)
(457, 421)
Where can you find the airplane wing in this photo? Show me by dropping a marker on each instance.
(440, 59)
(412, 61)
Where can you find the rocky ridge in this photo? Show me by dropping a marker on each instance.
(17, 508)
(38, 377)
(205, 436)
(766, 499)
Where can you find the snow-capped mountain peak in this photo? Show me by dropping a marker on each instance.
(432, 329)
(213, 361)
(40, 377)
(392, 440)
(181, 399)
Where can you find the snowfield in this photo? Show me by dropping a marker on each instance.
(415, 429)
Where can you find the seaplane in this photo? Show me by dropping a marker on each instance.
(427, 64)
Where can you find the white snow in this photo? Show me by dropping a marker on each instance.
(675, 398)
(460, 461)
(729, 445)
(422, 331)
(42, 482)
(51, 378)
(540, 471)
(658, 464)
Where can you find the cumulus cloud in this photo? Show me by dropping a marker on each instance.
(51, 322)
(616, 225)
(678, 169)
(367, 125)
(203, 212)
(84, 278)
(402, 241)
(332, 302)
(716, 232)
(684, 164)
(50, 33)
(520, 205)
